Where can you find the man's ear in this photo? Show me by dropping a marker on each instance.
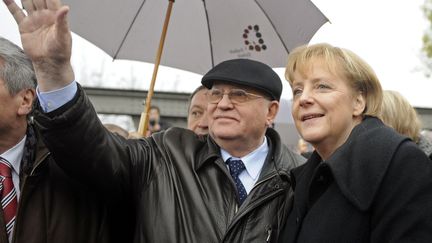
(359, 104)
(273, 109)
(27, 97)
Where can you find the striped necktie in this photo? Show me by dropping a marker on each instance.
(9, 200)
(236, 167)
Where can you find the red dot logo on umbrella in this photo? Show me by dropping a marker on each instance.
(253, 39)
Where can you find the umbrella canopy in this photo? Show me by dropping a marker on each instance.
(201, 33)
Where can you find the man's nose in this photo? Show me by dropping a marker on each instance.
(204, 121)
(225, 101)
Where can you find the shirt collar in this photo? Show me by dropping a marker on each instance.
(253, 161)
(14, 155)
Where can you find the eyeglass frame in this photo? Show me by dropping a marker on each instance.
(249, 96)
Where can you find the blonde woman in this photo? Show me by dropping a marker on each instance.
(364, 182)
(398, 113)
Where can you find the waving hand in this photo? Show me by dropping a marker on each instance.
(46, 39)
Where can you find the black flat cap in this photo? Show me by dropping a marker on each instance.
(248, 73)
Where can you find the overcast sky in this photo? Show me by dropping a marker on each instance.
(386, 33)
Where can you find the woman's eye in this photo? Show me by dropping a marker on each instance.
(323, 86)
(297, 92)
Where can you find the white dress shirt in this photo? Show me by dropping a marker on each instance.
(14, 156)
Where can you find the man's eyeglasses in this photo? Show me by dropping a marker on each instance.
(235, 95)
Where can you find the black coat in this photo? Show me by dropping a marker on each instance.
(377, 187)
(176, 181)
(55, 208)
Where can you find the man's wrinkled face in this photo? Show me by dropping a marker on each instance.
(244, 121)
(9, 106)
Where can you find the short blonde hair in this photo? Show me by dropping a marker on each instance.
(359, 75)
(398, 113)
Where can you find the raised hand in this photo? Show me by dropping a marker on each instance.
(46, 39)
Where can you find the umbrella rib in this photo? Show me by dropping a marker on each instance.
(277, 32)
(128, 30)
(209, 33)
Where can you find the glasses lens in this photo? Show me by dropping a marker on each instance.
(238, 96)
(214, 95)
(235, 95)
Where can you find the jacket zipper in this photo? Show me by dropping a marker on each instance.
(246, 210)
(23, 194)
(249, 208)
(269, 231)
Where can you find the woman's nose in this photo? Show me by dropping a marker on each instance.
(306, 97)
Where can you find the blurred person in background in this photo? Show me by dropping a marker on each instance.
(364, 182)
(427, 133)
(303, 148)
(398, 114)
(39, 202)
(156, 124)
(197, 119)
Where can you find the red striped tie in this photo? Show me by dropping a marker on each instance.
(8, 195)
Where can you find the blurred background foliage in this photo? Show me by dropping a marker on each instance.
(427, 38)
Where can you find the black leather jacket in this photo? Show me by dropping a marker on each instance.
(176, 182)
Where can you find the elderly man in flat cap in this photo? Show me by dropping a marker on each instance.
(230, 186)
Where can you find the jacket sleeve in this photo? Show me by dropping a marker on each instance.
(403, 210)
(84, 149)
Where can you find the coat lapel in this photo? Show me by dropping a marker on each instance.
(359, 165)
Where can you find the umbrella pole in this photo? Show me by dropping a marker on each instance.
(143, 124)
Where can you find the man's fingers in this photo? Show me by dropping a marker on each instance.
(15, 10)
(62, 25)
(40, 4)
(61, 17)
(53, 4)
(7, 2)
(28, 6)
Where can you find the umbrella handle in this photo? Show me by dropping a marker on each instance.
(143, 120)
(143, 125)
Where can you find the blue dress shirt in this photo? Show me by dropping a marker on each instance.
(253, 162)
